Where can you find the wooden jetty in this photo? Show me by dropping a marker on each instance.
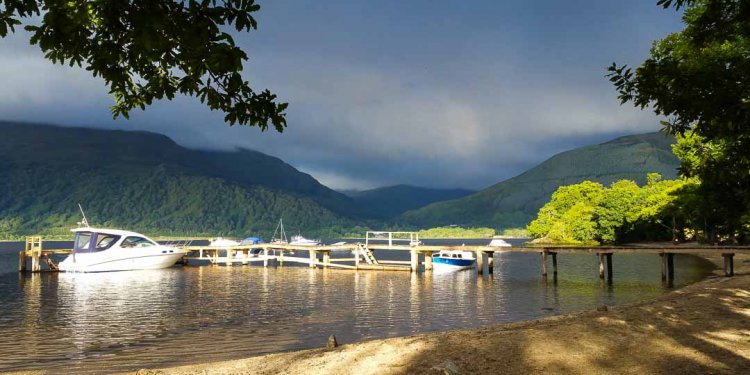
(361, 256)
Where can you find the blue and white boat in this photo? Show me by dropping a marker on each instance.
(453, 260)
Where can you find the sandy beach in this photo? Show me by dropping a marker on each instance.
(699, 329)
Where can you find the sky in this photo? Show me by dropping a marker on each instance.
(445, 94)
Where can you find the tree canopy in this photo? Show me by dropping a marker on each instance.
(151, 49)
(699, 78)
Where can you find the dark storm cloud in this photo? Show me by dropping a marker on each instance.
(448, 94)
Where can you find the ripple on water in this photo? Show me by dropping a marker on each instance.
(129, 320)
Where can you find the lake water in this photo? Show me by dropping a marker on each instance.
(129, 320)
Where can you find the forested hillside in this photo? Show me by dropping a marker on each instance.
(514, 202)
(388, 202)
(145, 181)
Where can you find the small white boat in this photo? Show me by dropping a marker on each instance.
(499, 242)
(223, 242)
(453, 260)
(299, 240)
(100, 250)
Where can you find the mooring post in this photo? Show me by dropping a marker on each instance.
(491, 262)
(554, 264)
(544, 263)
(357, 254)
(485, 264)
(414, 260)
(313, 257)
(265, 257)
(480, 261)
(609, 267)
(281, 258)
(427, 262)
(670, 267)
(326, 258)
(728, 264)
(245, 255)
(22, 261)
(601, 265)
(663, 261)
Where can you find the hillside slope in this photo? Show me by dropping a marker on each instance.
(388, 202)
(145, 181)
(514, 202)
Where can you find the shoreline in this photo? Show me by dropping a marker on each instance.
(700, 328)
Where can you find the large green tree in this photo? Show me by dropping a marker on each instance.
(146, 50)
(699, 79)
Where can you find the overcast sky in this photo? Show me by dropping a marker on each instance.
(433, 93)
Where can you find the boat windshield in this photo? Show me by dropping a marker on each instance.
(134, 241)
(82, 241)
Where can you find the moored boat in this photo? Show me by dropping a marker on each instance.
(499, 242)
(101, 250)
(299, 240)
(453, 260)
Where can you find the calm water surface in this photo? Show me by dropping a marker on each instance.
(130, 320)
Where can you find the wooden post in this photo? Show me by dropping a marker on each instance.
(609, 267)
(544, 263)
(414, 260)
(245, 255)
(728, 264)
(265, 257)
(22, 261)
(427, 262)
(326, 258)
(670, 266)
(313, 258)
(554, 264)
(485, 264)
(663, 260)
(480, 261)
(357, 254)
(601, 265)
(491, 262)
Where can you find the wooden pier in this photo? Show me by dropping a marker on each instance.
(361, 256)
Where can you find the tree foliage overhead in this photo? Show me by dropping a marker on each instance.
(147, 50)
(699, 78)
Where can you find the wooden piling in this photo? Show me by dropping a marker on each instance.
(485, 264)
(728, 264)
(245, 256)
(670, 267)
(544, 263)
(414, 264)
(22, 261)
(313, 257)
(601, 265)
(663, 259)
(479, 255)
(326, 259)
(609, 267)
(265, 256)
(427, 262)
(554, 264)
(491, 262)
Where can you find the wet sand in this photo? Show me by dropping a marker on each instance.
(699, 329)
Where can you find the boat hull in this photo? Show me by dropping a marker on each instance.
(103, 263)
(450, 264)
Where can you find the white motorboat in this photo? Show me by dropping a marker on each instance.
(223, 242)
(100, 250)
(453, 260)
(299, 240)
(499, 242)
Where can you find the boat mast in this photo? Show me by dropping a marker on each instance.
(85, 222)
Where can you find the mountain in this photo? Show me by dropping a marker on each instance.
(516, 201)
(145, 181)
(391, 201)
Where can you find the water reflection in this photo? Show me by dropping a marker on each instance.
(130, 320)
